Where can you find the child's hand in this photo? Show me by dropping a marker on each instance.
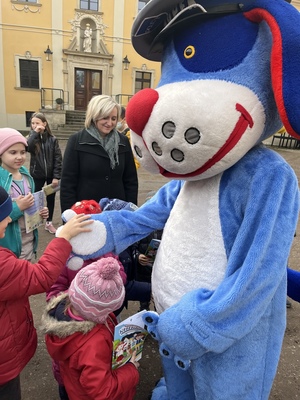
(44, 212)
(144, 260)
(25, 202)
(39, 129)
(78, 224)
(132, 360)
(54, 183)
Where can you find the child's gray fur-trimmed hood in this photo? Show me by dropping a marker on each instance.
(62, 329)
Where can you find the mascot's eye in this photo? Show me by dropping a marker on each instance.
(192, 136)
(157, 150)
(168, 129)
(138, 151)
(177, 155)
(189, 52)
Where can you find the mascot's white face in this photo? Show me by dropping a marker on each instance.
(214, 102)
(195, 138)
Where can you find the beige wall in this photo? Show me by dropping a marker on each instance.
(296, 3)
(28, 27)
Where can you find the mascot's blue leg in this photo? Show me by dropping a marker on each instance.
(160, 391)
(177, 384)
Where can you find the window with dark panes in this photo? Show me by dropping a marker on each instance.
(89, 5)
(29, 74)
(142, 4)
(142, 80)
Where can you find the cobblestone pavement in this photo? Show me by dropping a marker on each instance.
(37, 378)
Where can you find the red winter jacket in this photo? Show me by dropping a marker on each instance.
(84, 352)
(20, 279)
(62, 285)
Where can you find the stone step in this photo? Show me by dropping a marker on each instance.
(75, 117)
(69, 128)
(65, 133)
(74, 123)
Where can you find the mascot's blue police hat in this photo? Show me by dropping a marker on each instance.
(161, 17)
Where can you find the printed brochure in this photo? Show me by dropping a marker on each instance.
(152, 250)
(130, 335)
(32, 215)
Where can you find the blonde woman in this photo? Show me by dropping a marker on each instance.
(98, 161)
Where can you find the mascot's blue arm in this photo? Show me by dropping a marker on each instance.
(260, 232)
(124, 228)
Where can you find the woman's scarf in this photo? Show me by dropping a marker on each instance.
(109, 142)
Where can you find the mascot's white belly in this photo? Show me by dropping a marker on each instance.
(192, 253)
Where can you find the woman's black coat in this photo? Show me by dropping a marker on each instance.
(87, 175)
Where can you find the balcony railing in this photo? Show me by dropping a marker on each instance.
(54, 99)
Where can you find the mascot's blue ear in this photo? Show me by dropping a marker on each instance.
(284, 23)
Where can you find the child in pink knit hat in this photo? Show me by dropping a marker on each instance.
(135, 291)
(79, 327)
(68, 274)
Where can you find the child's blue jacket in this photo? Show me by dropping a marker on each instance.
(13, 239)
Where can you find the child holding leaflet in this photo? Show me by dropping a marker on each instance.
(17, 181)
(79, 327)
(133, 290)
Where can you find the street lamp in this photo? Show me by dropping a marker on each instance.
(126, 63)
(48, 53)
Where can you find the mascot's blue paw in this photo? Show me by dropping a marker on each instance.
(150, 319)
(160, 391)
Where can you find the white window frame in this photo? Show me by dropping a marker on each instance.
(87, 8)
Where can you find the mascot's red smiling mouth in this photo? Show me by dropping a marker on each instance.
(242, 124)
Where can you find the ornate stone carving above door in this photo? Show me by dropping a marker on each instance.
(79, 26)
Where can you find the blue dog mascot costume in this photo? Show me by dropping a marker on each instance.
(230, 79)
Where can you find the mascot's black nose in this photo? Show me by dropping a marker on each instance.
(139, 109)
